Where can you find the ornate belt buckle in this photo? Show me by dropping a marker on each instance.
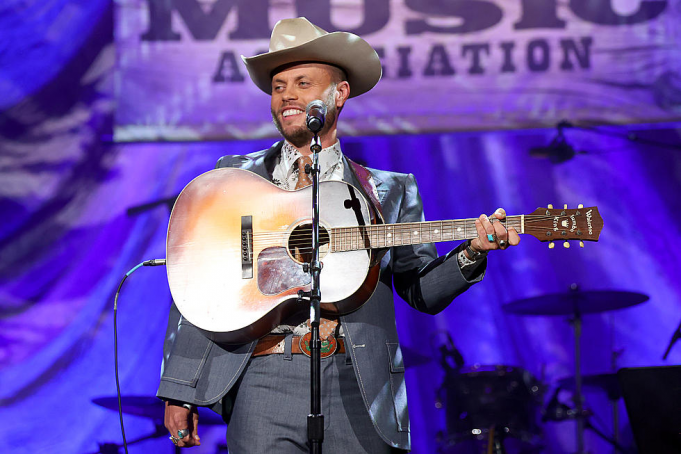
(328, 347)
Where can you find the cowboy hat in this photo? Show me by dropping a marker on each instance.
(299, 40)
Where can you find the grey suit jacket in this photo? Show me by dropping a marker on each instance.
(201, 372)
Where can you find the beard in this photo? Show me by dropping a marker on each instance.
(299, 136)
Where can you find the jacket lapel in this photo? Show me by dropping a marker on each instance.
(349, 177)
(264, 163)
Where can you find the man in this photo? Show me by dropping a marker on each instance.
(261, 387)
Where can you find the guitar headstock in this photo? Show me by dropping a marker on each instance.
(549, 224)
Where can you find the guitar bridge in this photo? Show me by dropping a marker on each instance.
(246, 247)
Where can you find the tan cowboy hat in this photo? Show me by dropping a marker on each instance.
(299, 40)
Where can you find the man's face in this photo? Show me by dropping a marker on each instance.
(292, 90)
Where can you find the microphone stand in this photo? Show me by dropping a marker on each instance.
(578, 398)
(315, 420)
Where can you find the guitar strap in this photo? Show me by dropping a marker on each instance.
(369, 188)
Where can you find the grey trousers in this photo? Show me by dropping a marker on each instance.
(270, 403)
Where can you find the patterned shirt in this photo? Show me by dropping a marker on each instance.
(285, 174)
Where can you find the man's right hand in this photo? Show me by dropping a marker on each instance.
(178, 418)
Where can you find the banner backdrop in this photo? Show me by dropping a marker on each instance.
(448, 65)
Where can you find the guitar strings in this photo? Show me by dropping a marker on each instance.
(359, 237)
(354, 232)
(396, 229)
(529, 220)
(349, 241)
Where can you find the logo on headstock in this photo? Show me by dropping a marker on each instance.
(565, 223)
(574, 223)
(589, 217)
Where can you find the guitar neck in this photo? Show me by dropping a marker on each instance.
(389, 235)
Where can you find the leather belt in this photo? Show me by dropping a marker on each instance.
(273, 344)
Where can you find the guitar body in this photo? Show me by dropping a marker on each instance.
(236, 246)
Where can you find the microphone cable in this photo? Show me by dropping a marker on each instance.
(153, 262)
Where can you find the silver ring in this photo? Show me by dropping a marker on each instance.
(182, 433)
(502, 243)
(175, 440)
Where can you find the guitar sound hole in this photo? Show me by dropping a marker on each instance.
(300, 243)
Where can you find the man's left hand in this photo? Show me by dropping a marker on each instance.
(493, 235)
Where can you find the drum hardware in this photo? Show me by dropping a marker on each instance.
(575, 303)
(489, 410)
(557, 411)
(614, 397)
(450, 357)
(607, 383)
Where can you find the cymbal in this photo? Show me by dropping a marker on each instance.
(605, 382)
(151, 407)
(582, 302)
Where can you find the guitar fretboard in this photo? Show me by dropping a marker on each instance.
(389, 235)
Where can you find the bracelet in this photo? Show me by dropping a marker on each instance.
(474, 255)
(463, 260)
(177, 403)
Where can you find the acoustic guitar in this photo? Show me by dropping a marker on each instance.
(238, 246)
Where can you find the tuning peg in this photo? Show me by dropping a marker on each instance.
(565, 206)
(550, 206)
(551, 245)
(566, 245)
(580, 206)
(581, 244)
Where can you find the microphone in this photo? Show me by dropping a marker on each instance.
(154, 262)
(316, 115)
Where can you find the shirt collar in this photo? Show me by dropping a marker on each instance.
(329, 157)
